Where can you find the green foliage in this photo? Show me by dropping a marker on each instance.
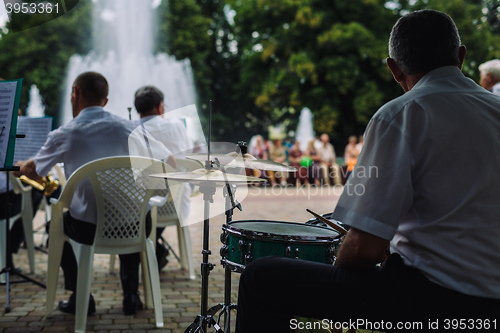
(262, 61)
(40, 54)
(322, 54)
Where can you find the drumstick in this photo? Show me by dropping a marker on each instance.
(330, 223)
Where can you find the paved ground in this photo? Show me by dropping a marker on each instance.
(180, 295)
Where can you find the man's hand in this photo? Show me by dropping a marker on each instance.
(28, 169)
(18, 173)
(361, 250)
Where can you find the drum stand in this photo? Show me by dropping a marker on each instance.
(226, 307)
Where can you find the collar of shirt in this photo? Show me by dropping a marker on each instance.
(89, 113)
(439, 73)
(148, 118)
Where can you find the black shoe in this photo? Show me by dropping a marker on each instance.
(161, 255)
(132, 303)
(69, 306)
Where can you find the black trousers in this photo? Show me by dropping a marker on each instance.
(274, 291)
(84, 232)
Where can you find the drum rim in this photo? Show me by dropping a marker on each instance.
(268, 236)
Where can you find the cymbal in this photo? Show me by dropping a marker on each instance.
(204, 177)
(243, 161)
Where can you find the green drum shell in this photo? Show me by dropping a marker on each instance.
(247, 240)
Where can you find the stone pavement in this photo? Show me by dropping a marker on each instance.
(180, 296)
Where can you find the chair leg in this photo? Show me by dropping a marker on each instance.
(28, 238)
(27, 218)
(146, 280)
(155, 282)
(85, 268)
(112, 260)
(56, 245)
(184, 240)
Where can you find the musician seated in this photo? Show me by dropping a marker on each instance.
(92, 134)
(443, 229)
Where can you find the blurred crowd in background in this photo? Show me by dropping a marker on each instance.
(316, 161)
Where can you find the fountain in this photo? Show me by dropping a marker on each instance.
(305, 132)
(123, 53)
(35, 105)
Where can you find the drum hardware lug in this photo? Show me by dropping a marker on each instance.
(223, 238)
(248, 256)
(223, 251)
(241, 247)
(288, 251)
(296, 253)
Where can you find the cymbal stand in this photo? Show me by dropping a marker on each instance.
(204, 319)
(226, 307)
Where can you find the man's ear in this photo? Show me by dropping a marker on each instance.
(396, 71)
(462, 51)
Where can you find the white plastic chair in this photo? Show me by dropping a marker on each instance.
(164, 214)
(121, 203)
(26, 215)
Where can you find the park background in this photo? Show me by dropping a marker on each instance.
(261, 62)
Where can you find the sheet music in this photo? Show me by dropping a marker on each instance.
(7, 100)
(36, 131)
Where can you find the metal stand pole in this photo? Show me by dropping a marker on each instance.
(201, 322)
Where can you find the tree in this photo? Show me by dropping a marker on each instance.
(199, 30)
(40, 54)
(322, 54)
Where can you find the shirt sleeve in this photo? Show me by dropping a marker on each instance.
(379, 191)
(49, 155)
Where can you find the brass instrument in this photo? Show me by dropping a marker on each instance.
(47, 184)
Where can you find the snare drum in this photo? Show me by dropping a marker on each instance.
(247, 240)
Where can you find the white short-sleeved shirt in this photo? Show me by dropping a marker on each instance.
(428, 180)
(173, 134)
(93, 134)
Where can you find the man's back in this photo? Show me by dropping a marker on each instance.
(94, 134)
(436, 162)
(171, 132)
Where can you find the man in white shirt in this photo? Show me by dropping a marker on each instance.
(409, 192)
(92, 134)
(490, 76)
(172, 133)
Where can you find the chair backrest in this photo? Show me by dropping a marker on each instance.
(17, 185)
(60, 174)
(167, 213)
(19, 188)
(122, 190)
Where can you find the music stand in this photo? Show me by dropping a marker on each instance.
(9, 269)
